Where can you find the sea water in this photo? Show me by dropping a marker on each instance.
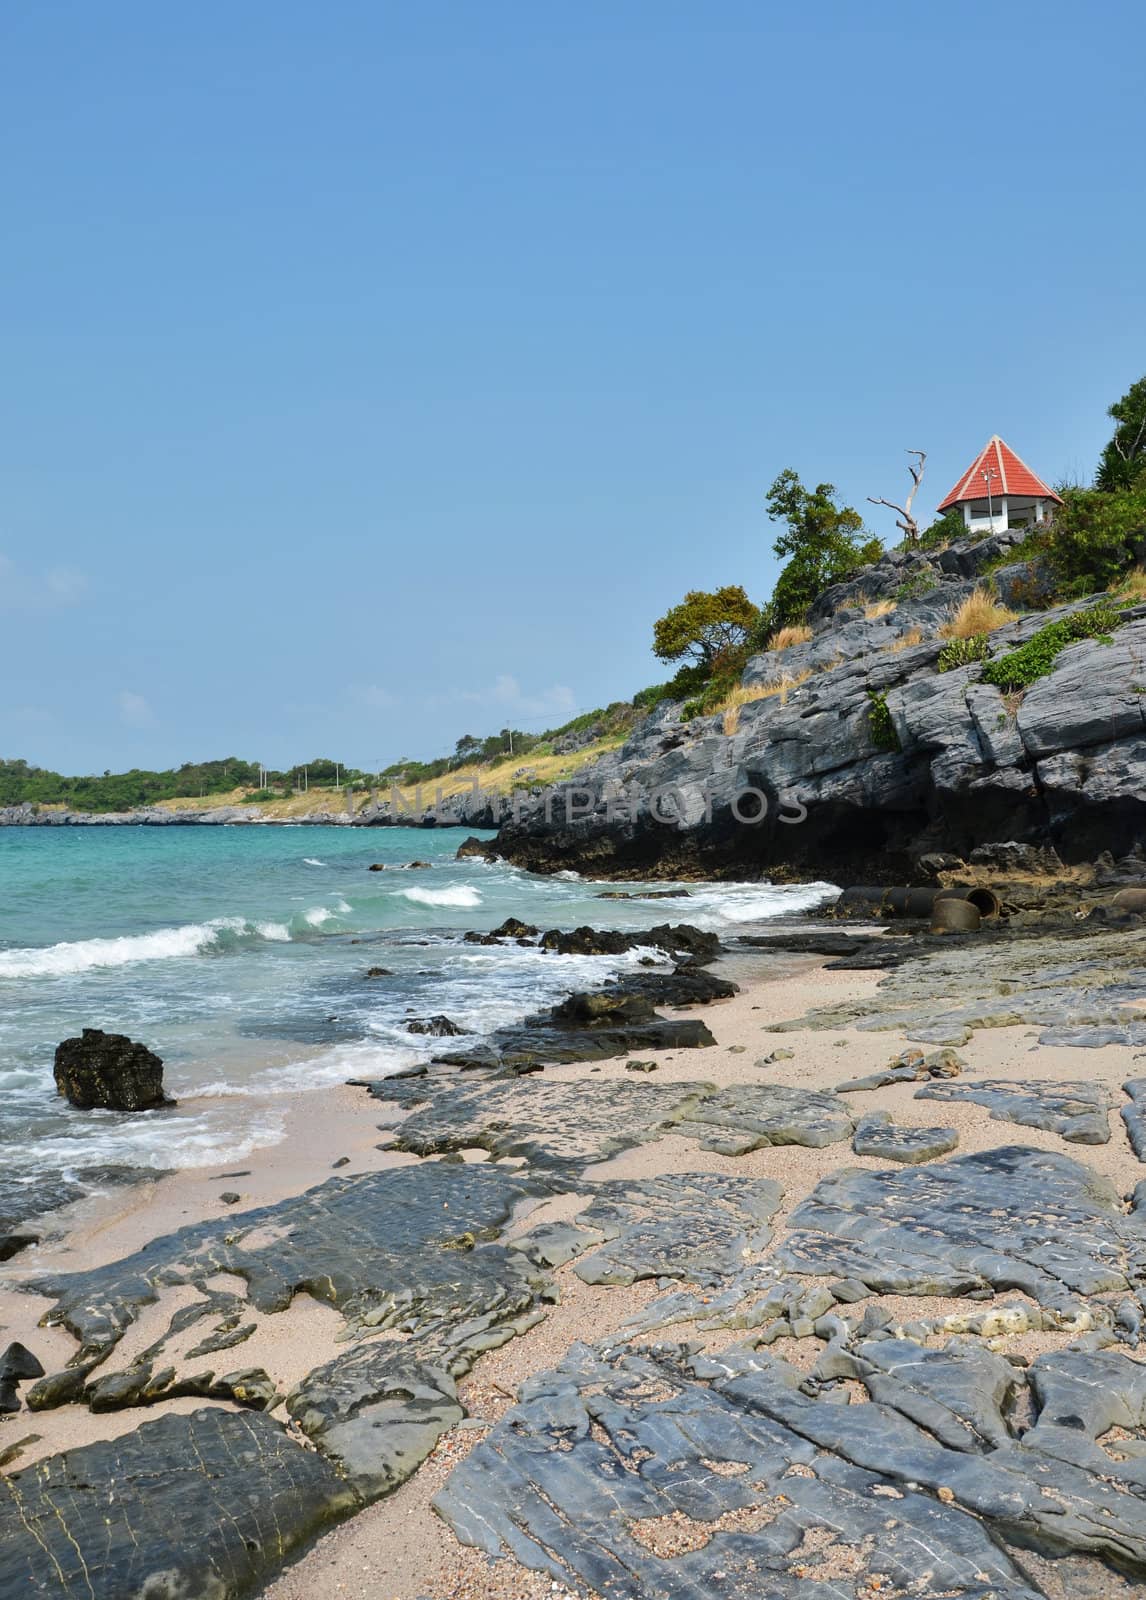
(239, 955)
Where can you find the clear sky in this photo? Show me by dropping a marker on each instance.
(375, 373)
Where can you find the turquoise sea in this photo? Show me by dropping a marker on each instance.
(239, 954)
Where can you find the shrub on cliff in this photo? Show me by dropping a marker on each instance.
(1018, 669)
(1095, 537)
(706, 629)
(823, 542)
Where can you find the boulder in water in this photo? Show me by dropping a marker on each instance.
(109, 1070)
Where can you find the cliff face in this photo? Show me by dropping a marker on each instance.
(1062, 765)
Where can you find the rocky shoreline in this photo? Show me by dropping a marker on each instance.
(833, 1277)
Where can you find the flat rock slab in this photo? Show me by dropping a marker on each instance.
(1134, 1116)
(692, 1225)
(644, 1474)
(554, 1125)
(199, 1507)
(1079, 1111)
(1083, 989)
(1002, 1219)
(751, 1116)
(381, 1247)
(878, 1135)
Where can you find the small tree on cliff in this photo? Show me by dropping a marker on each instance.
(1122, 464)
(706, 632)
(822, 542)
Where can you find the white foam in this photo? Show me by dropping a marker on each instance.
(317, 915)
(159, 1140)
(722, 905)
(59, 960)
(311, 861)
(460, 895)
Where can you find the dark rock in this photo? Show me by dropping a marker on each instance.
(342, 1161)
(206, 1505)
(229, 1197)
(377, 866)
(110, 1071)
(18, 1363)
(878, 1135)
(369, 1245)
(511, 928)
(438, 1027)
(378, 972)
(640, 1066)
(1078, 1111)
(482, 849)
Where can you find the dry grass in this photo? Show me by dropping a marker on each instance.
(785, 638)
(906, 640)
(878, 608)
(499, 779)
(979, 613)
(744, 695)
(1133, 586)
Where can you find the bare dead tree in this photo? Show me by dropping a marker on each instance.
(905, 521)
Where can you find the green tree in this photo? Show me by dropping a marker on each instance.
(706, 630)
(1123, 462)
(821, 540)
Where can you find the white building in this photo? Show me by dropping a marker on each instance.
(1000, 491)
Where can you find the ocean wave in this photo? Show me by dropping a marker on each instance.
(312, 861)
(460, 895)
(735, 903)
(317, 915)
(164, 944)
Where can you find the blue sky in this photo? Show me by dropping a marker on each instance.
(373, 374)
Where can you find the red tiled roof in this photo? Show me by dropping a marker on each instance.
(1009, 475)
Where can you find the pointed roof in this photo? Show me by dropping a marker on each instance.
(1009, 475)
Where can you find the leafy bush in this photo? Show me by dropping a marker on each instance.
(646, 699)
(1018, 669)
(1094, 538)
(963, 650)
(883, 733)
(944, 530)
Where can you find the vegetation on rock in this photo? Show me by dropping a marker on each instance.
(962, 651)
(883, 733)
(1021, 667)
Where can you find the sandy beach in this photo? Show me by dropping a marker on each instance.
(399, 1547)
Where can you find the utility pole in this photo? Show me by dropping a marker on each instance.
(988, 474)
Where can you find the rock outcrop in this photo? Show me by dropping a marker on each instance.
(861, 753)
(110, 1071)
